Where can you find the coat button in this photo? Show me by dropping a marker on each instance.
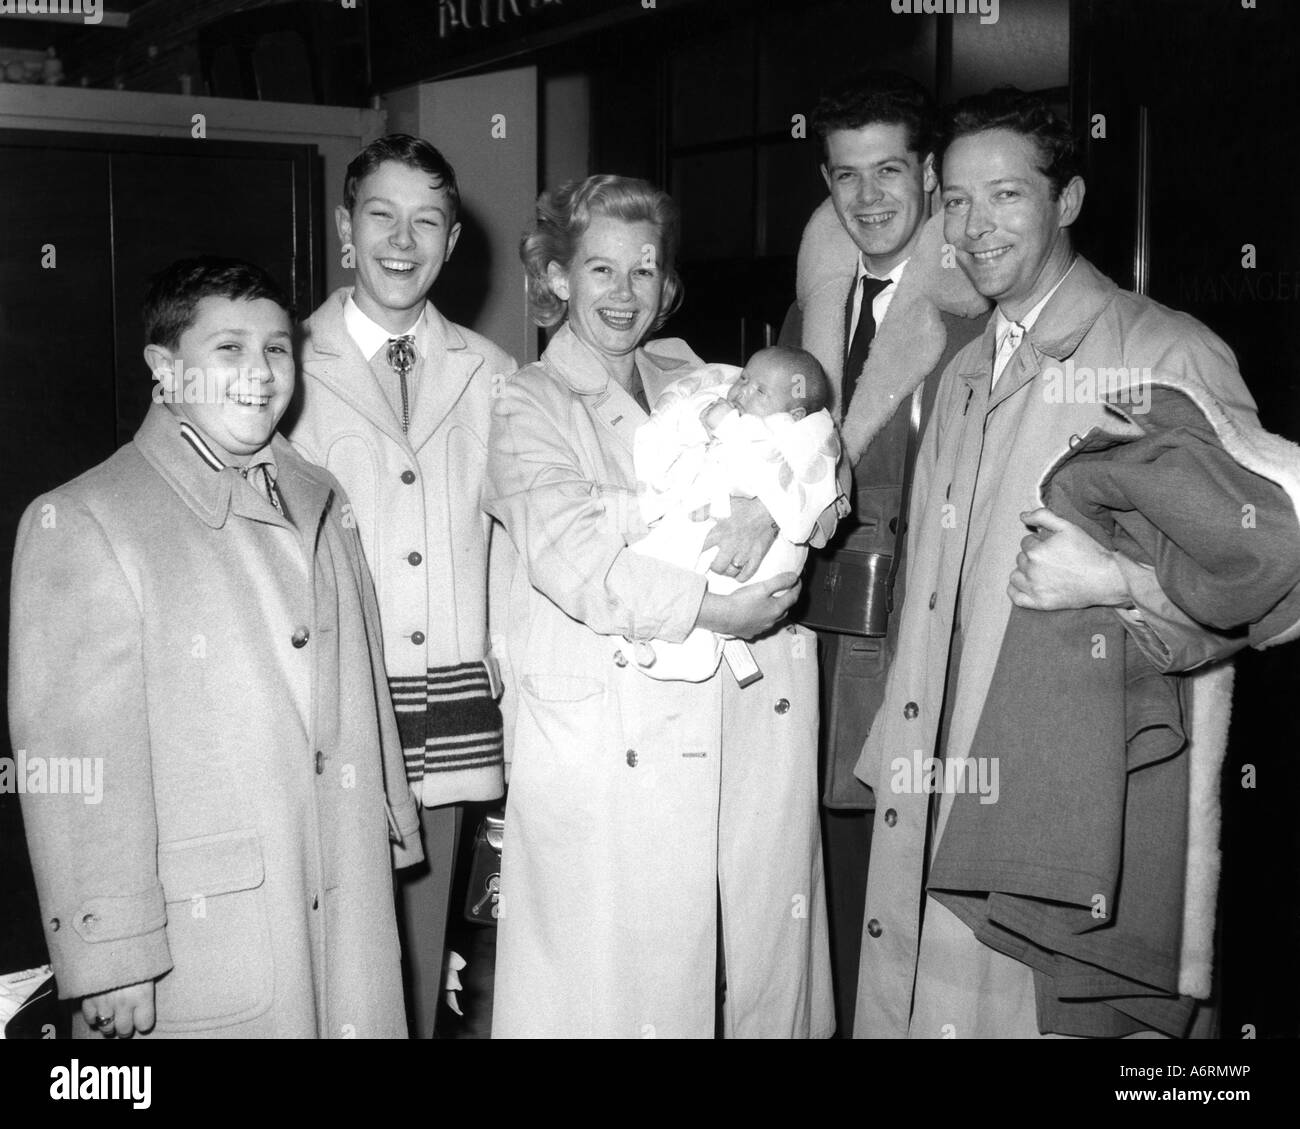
(90, 921)
(620, 659)
(873, 927)
(315, 901)
(782, 705)
(414, 559)
(55, 923)
(631, 758)
(320, 762)
(299, 638)
(934, 597)
(893, 525)
(891, 817)
(418, 638)
(408, 476)
(910, 711)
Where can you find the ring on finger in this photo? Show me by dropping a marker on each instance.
(103, 1021)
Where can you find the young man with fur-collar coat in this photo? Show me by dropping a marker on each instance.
(956, 945)
(875, 133)
(395, 403)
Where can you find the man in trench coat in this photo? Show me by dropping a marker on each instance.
(1011, 191)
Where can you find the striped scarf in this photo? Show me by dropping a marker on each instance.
(448, 721)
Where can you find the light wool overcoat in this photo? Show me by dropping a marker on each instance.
(635, 804)
(225, 664)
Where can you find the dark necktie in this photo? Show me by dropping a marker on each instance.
(860, 346)
(401, 359)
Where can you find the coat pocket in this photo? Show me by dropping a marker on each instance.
(561, 687)
(217, 930)
(569, 718)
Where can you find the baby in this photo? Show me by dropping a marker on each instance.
(762, 431)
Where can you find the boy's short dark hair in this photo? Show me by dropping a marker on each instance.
(875, 96)
(175, 292)
(414, 153)
(1025, 114)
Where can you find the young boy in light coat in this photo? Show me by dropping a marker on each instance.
(192, 619)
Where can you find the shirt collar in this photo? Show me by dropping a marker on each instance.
(370, 336)
(1025, 324)
(893, 276)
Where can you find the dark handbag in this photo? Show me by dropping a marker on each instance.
(848, 592)
(481, 902)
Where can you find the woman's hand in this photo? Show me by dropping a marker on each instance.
(743, 539)
(131, 1009)
(750, 611)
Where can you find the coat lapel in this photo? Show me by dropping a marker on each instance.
(1064, 322)
(210, 493)
(578, 365)
(330, 356)
(447, 371)
(306, 495)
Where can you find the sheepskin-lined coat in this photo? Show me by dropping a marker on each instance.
(922, 972)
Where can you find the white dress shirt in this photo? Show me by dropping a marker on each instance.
(370, 336)
(1011, 333)
(880, 303)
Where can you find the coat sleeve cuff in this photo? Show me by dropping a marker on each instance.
(109, 942)
(1163, 632)
(408, 852)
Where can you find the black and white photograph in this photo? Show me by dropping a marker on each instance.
(650, 520)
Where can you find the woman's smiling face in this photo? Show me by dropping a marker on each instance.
(614, 285)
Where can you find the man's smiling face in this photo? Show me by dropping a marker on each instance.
(402, 231)
(879, 189)
(1000, 213)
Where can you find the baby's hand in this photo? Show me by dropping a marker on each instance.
(715, 413)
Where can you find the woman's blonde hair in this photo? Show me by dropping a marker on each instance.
(563, 216)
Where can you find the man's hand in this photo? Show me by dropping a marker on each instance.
(1060, 567)
(743, 539)
(131, 1009)
(750, 611)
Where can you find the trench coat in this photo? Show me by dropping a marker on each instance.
(639, 808)
(226, 665)
(922, 973)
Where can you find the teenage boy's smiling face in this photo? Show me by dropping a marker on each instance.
(243, 351)
(402, 231)
(880, 190)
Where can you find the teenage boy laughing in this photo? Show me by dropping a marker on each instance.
(395, 402)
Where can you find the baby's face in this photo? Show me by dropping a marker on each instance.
(764, 388)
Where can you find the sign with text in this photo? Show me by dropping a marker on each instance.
(412, 40)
